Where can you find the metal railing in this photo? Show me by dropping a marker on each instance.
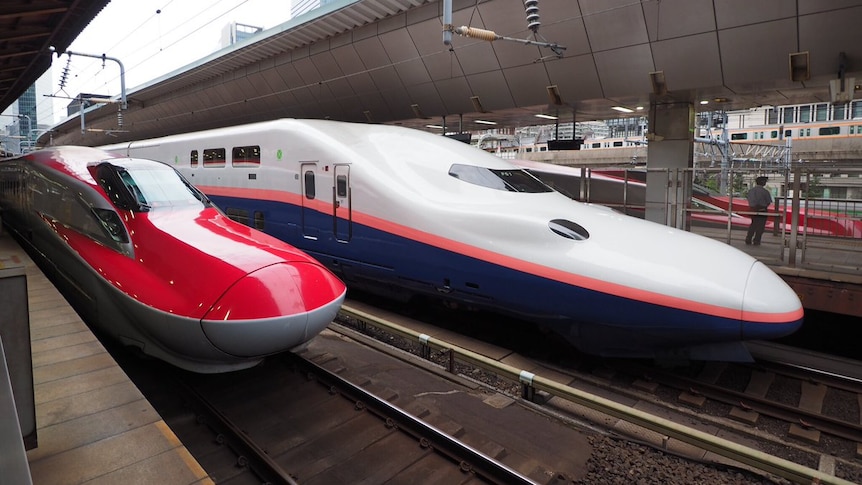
(806, 230)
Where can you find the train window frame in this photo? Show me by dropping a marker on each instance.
(829, 131)
(310, 190)
(739, 136)
(341, 186)
(245, 156)
(214, 158)
(193, 159)
(506, 180)
(805, 114)
(821, 112)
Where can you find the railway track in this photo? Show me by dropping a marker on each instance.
(288, 421)
(293, 421)
(782, 412)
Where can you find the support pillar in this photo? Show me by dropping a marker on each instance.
(670, 154)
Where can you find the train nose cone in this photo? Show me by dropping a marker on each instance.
(770, 308)
(274, 309)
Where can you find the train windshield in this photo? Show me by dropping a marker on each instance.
(514, 180)
(144, 186)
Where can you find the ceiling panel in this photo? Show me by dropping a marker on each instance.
(456, 95)
(689, 62)
(735, 13)
(427, 98)
(492, 89)
(827, 34)
(612, 24)
(744, 67)
(669, 19)
(528, 84)
(626, 70)
(576, 78)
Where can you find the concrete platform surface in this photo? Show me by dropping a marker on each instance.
(93, 425)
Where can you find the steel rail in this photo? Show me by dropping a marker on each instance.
(735, 451)
(792, 414)
(248, 453)
(470, 459)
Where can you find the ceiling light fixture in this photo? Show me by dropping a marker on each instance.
(485, 122)
(547, 117)
(477, 104)
(554, 95)
(438, 127)
(704, 101)
(418, 111)
(623, 109)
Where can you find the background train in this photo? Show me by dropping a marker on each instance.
(405, 213)
(151, 262)
(625, 190)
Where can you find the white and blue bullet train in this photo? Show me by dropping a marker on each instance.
(405, 213)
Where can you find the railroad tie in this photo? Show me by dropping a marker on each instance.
(811, 401)
(758, 386)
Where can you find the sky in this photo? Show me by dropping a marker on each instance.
(151, 38)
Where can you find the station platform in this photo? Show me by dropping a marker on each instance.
(92, 424)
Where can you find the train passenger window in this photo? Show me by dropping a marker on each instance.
(821, 112)
(787, 133)
(193, 157)
(239, 215)
(511, 180)
(829, 130)
(597, 145)
(259, 223)
(309, 184)
(805, 114)
(245, 157)
(341, 186)
(618, 143)
(214, 157)
(838, 111)
(739, 136)
(773, 134)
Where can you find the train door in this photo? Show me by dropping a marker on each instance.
(308, 177)
(342, 216)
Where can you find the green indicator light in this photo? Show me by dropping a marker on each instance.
(278, 154)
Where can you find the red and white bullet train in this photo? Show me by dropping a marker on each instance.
(406, 213)
(155, 265)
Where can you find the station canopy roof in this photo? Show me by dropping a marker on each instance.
(384, 61)
(28, 28)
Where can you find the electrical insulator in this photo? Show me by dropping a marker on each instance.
(531, 7)
(119, 118)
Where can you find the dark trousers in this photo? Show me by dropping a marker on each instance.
(755, 230)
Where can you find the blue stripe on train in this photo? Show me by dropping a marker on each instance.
(589, 319)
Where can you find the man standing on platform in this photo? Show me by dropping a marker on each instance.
(759, 200)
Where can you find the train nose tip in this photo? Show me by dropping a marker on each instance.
(770, 308)
(274, 309)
